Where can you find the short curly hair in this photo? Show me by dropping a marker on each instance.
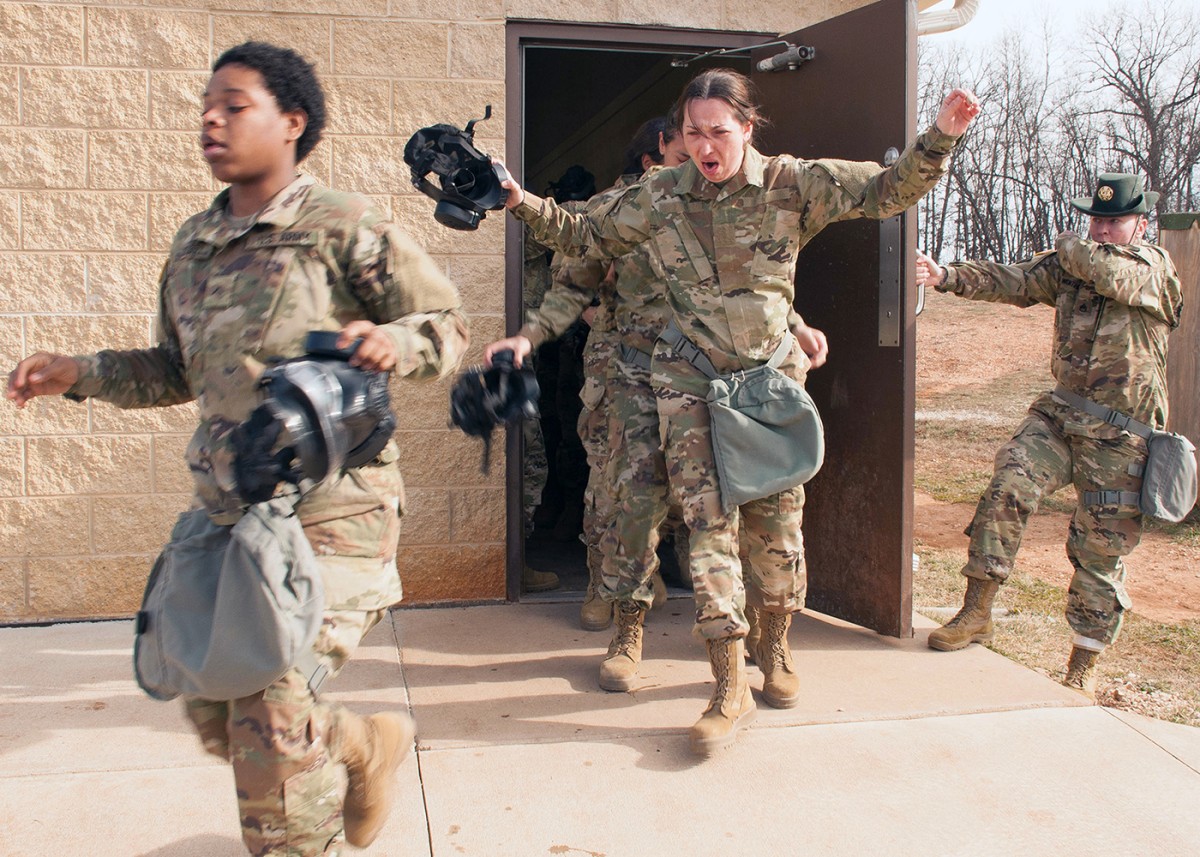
(291, 79)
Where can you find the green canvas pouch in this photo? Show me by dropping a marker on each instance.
(1168, 473)
(767, 435)
(229, 609)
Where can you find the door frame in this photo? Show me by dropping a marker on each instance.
(520, 34)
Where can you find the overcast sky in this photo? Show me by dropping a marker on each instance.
(995, 17)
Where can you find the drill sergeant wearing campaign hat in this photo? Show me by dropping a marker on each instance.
(1116, 299)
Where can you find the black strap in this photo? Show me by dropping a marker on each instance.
(635, 357)
(1111, 498)
(691, 352)
(688, 350)
(1100, 412)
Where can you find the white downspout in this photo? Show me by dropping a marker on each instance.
(942, 22)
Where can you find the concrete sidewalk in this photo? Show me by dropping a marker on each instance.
(894, 749)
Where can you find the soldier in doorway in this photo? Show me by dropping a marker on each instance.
(724, 230)
(1116, 297)
(554, 463)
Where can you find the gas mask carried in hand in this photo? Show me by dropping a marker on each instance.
(469, 179)
(482, 399)
(332, 415)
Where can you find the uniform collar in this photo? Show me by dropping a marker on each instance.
(282, 210)
(693, 183)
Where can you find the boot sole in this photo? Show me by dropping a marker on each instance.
(781, 701)
(618, 685)
(954, 647)
(709, 746)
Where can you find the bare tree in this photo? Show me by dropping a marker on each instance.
(1149, 67)
(1132, 104)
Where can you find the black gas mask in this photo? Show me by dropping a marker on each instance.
(469, 179)
(335, 416)
(482, 399)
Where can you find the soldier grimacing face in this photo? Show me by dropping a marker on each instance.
(1127, 229)
(715, 137)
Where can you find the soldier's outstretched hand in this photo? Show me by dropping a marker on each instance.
(41, 374)
(958, 109)
(929, 272)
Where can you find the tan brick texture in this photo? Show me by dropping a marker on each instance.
(99, 165)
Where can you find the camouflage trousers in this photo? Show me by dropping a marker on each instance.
(769, 528)
(593, 435)
(636, 475)
(1056, 446)
(535, 470)
(285, 747)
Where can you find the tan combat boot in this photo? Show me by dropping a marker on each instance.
(618, 671)
(731, 706)
(754, 620)
(971, 624)
(1081, 672)
(781, 685)
(596, 614)
(533, 580)
(371, 748)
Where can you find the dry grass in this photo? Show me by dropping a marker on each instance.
(1154, 669)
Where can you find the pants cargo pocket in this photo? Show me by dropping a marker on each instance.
(312, 809)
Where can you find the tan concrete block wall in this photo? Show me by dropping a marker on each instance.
(99, 109)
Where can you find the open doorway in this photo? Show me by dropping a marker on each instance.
(574, 93)
(580, 94)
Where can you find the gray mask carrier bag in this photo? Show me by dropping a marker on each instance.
(766, 433)
(1168, 476)
(228, 610)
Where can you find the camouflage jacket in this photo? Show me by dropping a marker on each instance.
(233, 299)
(576, 284)
(1114, 305)
(727, 253)
(540, 265)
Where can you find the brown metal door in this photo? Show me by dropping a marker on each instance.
(854, 100)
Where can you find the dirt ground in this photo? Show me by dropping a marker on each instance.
(1163, 576)
(966, 349)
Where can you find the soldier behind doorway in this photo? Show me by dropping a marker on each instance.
(554, 465)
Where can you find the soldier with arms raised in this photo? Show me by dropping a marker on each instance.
(723, 231)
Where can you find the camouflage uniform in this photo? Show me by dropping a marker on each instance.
(535, 280)
(727, 254)
(632, 502)
(1114, 306)
(234, 296)
(737, 319)
(593, 427)
(557, 382)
